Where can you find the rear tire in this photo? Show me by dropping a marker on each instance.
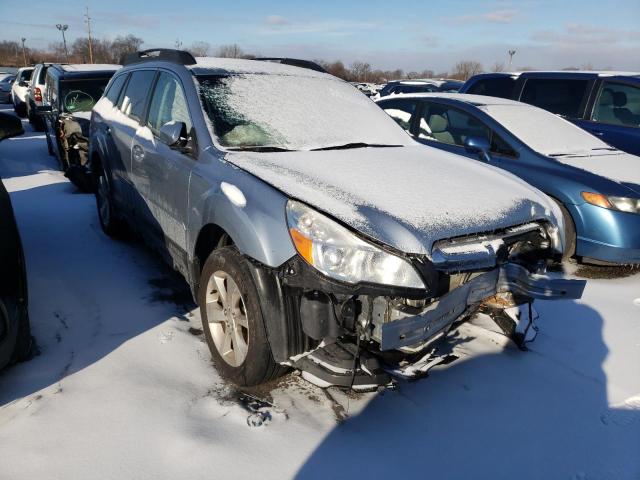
(111, 224)
(232, 320)
(20, 109)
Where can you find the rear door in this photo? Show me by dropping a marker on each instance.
(615, 116)
(401, 110)
(561, 94)
(122, 127)
(161, 173)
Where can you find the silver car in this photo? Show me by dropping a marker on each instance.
(314, 233)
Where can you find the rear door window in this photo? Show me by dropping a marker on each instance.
(135, 96)
(401, 111)
(566, 97)
(113, 93)
(618, 104)
(494, 87)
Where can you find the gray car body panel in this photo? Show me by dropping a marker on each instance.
(259, 228)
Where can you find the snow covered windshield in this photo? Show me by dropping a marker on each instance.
(293, 113)
(545, 132)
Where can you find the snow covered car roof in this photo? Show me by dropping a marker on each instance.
(89, 67)
(461, 97)
(217, 66)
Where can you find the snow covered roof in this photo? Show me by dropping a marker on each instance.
(601, 73)
(213, 65)
(90, 67)
(462, 97)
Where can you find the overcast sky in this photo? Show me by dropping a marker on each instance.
(408, 34)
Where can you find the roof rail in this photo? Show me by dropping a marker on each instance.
(294, 62)
(155, 54)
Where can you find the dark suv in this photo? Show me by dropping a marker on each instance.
(606, 104)
(71, 91)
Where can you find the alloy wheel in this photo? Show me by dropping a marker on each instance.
(227, 318)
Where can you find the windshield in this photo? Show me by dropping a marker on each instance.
(81, 95)
(545, 132)
(293, 113)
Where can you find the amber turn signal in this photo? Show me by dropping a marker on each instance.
(597, 199)
(303, 245)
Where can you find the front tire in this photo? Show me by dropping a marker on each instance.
(569, 232)
(232, 320)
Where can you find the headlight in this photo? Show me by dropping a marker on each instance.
(335, 251)
(623, 204)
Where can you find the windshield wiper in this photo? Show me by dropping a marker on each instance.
(259, 148)
(347, 146)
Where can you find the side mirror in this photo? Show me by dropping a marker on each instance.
(10, 126)
(43, 109)
(171, 133)
(479, 146)
(22, 83)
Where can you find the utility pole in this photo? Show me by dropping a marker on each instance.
(511, 54)
(88, 20)
(24, 52)
(64, 28)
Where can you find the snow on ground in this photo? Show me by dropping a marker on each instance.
(124, 388)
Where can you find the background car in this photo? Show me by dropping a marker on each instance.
(400, 87)
(606, 104)
(597, 186)
(20, 89)
(277, 211)
(15, 333)
(71, 91)
(6, 83)
(35, 95)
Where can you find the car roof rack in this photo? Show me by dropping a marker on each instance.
(294, 62)
(155, 54)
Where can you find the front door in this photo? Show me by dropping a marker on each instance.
(161, 172)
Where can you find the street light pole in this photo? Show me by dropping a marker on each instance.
(64, 28)
(24, 53)
(511, 54)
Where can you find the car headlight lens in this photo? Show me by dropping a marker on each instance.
(335, 251)
(623, 204)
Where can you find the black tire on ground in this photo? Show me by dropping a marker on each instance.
(569, 232)
(259, 366)
(24, 343)
(20, 109)
(110, 222)
(13, 312)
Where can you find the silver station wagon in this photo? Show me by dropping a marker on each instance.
(314, 233)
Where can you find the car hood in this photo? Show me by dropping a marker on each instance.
(618, 166)
(406, 197)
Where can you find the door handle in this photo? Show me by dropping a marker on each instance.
(138, 153)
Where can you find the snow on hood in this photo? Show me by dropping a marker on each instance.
(406, 197)
(619, 166)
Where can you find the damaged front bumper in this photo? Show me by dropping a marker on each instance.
(451, 306)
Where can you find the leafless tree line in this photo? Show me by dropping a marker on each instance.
(111, 51)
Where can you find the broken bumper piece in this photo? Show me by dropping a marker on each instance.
(508, 278)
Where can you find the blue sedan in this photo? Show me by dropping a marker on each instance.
(596, 185)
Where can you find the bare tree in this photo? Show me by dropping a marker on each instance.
(122, 46)
(361, 72)
(200, 49)
(466, 69)
(498, 67)
(230, 51)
